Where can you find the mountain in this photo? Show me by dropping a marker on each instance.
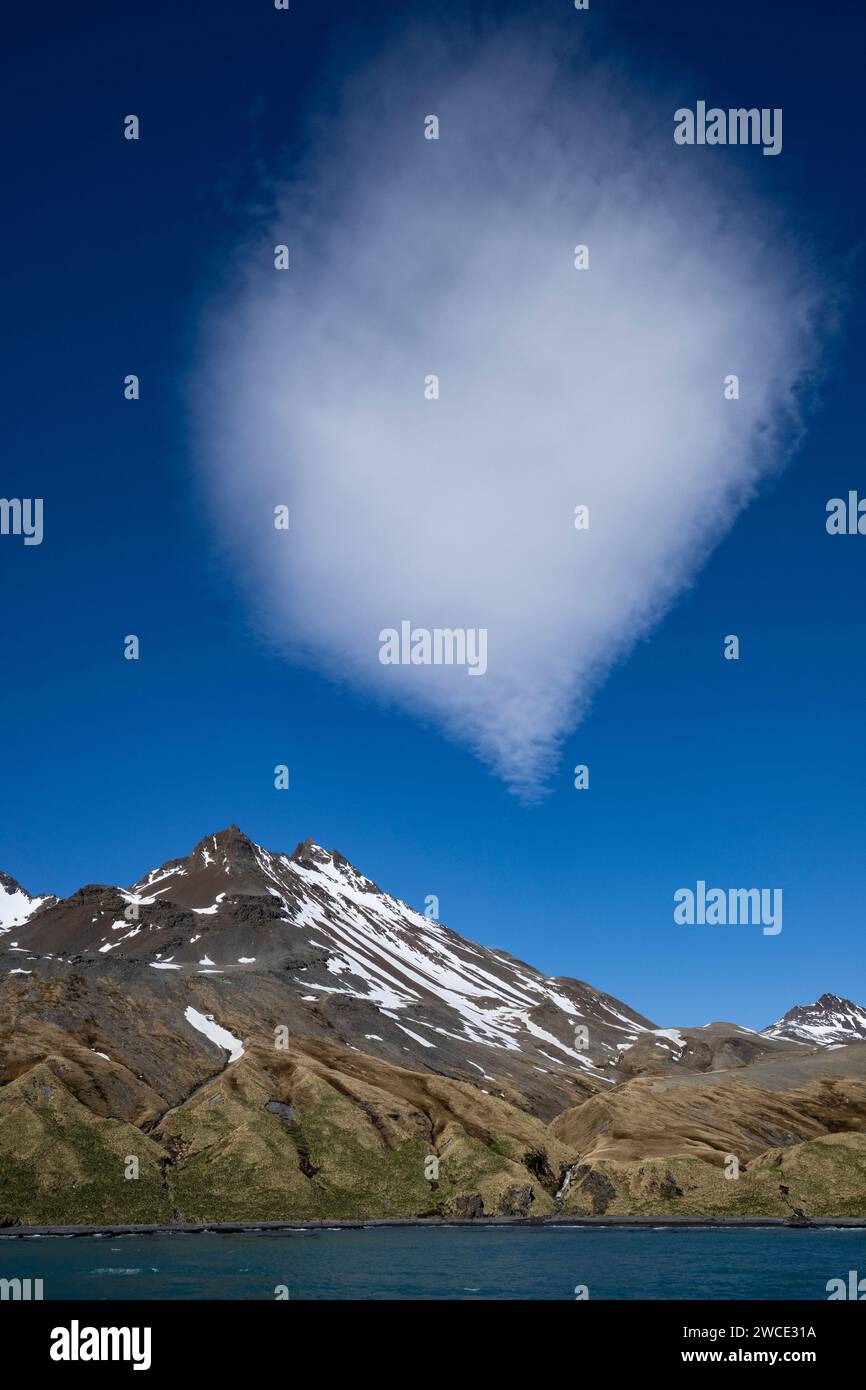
(829, 1022)
(272, 1036)
(344, 954)
(16, 904)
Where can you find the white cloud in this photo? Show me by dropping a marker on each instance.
(558, 386)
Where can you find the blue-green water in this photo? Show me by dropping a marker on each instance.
(446, 1262)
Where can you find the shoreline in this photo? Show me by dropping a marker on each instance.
(431, 1223)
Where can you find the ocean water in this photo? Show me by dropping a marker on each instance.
(445, 1263)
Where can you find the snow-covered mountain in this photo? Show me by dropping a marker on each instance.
(308, 940)
(829, 1022)
(391, 981)
(279, 1037)
(16, 904)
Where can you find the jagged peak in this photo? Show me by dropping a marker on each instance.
(228, 836)
(825, 1002)
(310, 855)
(17, 906)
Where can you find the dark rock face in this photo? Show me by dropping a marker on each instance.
(538, 1165)
(597, 1187)
(516, 1200)
(668, 1187)
(466, 1208)
(665, 1186)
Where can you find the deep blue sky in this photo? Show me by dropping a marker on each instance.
(748, 773)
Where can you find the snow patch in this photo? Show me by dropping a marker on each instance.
(221, 1036)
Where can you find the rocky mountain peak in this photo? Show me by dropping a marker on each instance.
(229, 847)
(17, 906)
(830, 1022)
(234, 924)
(310, 855)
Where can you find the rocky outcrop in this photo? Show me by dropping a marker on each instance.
(516, 1200)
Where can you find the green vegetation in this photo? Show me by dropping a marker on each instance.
(342, 1146)
(62, 1165)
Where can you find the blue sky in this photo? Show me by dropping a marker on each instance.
(748, 773)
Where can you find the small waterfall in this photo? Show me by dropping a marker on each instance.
(559, 1196)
